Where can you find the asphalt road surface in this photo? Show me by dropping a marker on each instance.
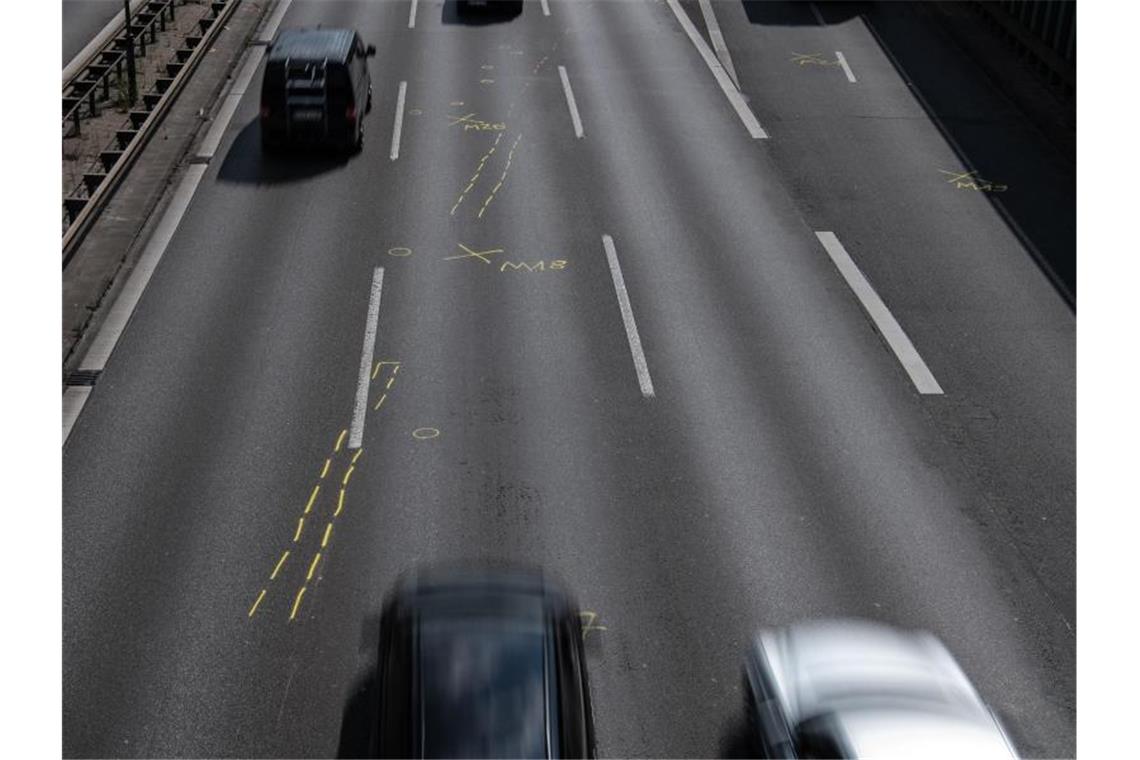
(82, 20)
(756, 454)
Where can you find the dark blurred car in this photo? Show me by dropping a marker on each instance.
(859, 689)
(512, 6)
(316, 89)
(482, 663)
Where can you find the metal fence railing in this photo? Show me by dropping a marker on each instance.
(1045, 31)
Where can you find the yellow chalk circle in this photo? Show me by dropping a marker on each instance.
(424, 433)
(399, 252)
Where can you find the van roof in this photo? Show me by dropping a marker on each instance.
(312, 44)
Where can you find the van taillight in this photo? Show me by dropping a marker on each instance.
(350, 113)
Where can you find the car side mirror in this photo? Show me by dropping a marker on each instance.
(370, 51)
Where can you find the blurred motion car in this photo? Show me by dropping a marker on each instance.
(316, 89)
(514, 6)
(478, 662)
(860, 689)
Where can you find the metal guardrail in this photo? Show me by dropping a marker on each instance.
(1045, 30)
(108, 63)
(84, 202)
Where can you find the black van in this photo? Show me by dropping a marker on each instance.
(316, 89)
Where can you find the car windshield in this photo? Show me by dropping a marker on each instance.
(483, 689)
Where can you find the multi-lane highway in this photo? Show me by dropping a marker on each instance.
(718, 358)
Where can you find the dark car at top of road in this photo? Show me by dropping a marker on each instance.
(482, 663)
(860, 689)
(316, 89)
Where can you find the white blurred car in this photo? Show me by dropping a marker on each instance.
(859, 689)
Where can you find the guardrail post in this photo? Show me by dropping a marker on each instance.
(91, 101)
(75, 118)
(132, 84)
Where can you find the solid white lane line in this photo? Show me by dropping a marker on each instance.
(412, 15)
(399, 127)
(545, 8)
(722, 78)
(818, 16)
(116, 321)
(846, 69)
(571, 102)
(73, 400)
(718, 40)
(356, 429)
(919, 373)
(631, 333)
(270, 28)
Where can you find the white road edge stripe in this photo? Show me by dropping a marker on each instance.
(412, 15)
(399, 127)
(846, 69)
(571, 102)
(818, 16)
(238, 89)
(730, 91)
(545, 8)
(718, 41)
(904, 350)
(73, 400)
(356, 430)
(631, 333)
(105, 340)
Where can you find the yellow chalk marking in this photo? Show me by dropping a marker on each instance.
(325, 471)
(312, 498)
(481, 255)
(399, 252)
(460, 119)
(340, 439)
(396, 370)
(388, 385)
(297, 603)
(325, 539)
(253, 609)
(297, 535)
(424, 433)
(376, 370)
(280, 562)
(588, 619)
(456, 103)
(357, 455)
(507, 168)
(313, 567)
(381, 401)
(347, 475)
(339, 504)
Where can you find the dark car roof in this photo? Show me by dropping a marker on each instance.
(483, 652)
(312, 44)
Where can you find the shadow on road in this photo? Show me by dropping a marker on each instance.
(361, 711)
(247, 163)
(1028, 179)
(797, 13)
(492, 13)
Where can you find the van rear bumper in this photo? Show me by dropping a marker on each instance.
(276, 136)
